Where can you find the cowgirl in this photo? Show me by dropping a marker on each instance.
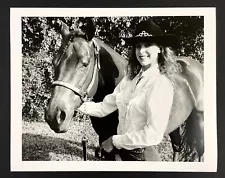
(144, 96)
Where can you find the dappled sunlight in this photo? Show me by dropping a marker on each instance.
(40, 143)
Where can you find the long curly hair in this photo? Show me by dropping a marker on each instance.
(167, 61)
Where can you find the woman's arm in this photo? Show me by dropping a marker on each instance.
(104, 108)
(158, 106)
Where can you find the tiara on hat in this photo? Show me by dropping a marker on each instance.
(143, 34)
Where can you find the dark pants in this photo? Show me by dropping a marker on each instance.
(132, 155)
(139, 154)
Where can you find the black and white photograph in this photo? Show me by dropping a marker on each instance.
(122, 89)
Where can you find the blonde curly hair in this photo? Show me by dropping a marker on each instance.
(167, 61)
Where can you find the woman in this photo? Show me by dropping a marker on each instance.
(144, 96)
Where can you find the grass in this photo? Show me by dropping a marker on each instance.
(40, 143)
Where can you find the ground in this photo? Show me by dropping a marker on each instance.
(40, 143)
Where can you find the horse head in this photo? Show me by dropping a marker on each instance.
(76, 74)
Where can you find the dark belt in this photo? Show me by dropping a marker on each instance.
(136, 150)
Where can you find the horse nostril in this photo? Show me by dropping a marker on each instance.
(62, 116)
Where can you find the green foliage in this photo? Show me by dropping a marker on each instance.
(40, 42)
(33, 29)
(37, 76)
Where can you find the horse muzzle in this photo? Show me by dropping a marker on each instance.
(57, 122)
(58, 116)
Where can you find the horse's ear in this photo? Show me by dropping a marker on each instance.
(65, 31)
(88, 27)
(61, 27)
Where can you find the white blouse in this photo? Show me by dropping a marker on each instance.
(144, 107)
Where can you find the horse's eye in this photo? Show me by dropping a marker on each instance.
(84, 61)
(85, 64)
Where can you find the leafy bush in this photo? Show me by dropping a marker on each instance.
(37, 77)
(40, 42)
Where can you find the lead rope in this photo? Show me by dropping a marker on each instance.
(85, 99)
(84, 138)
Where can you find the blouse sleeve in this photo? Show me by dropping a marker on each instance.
(104, 108)
(158, 106)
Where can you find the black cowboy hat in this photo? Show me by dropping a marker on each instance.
(148, 31)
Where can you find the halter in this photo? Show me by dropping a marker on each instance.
(83, 94)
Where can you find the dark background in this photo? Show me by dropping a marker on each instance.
(5, 83)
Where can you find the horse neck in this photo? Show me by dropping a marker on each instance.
(112, 70)
(116, 58)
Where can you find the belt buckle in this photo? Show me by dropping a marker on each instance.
(138, 150)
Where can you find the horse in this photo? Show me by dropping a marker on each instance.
(87, 67)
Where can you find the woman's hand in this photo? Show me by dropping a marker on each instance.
(82, 108)
(107, 145)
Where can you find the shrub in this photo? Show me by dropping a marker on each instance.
(37, 77)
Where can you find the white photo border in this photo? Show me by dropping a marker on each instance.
(210, 115)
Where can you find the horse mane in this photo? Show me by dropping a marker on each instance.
(78, 33)
(118, 60)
